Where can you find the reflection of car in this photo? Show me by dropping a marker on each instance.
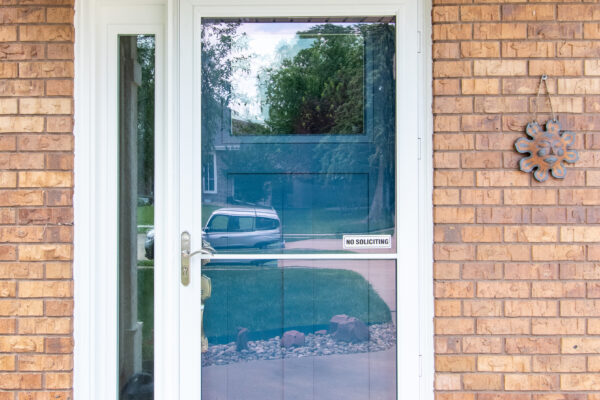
(237, 228)
(244, 227)
(145, 201)
(149, 244)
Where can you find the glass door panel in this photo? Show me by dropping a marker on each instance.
(298, 149)
(298, 134)
(300, 329)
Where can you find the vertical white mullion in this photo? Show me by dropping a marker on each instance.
(197, 195)
(166, 284)
(107, 146)
(426, 305)
(83, 199)
(190, 200)
(407, 202)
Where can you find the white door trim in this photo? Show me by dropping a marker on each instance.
(95, 314)
(98, 25)
(425, 117)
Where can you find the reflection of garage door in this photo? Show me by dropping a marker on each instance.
(309, 202)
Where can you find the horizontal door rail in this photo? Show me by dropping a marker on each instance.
(299, 256)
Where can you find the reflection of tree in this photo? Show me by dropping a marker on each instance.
(381, 212)
(380, 152)
(145, 128)
(346, 66)
(219, 42)
(320, 89)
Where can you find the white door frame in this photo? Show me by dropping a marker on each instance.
(96, 178)
(98, 26)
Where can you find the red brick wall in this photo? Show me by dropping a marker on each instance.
(36, 214)
(517, 262)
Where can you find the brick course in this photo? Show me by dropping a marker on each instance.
(517, 262)
(36, 187)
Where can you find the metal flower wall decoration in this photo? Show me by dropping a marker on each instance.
(547, 149)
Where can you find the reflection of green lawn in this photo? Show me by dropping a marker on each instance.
(269, 300)
(294, 220)
(145, 214)
(322, 221)
(146, 308)
(208, 209)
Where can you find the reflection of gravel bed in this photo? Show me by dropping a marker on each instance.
(381, 337)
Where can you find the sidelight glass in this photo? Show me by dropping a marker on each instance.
(136, 217)
(300, 329)
(298, 134)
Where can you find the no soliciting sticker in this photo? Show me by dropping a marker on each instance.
(367, 241)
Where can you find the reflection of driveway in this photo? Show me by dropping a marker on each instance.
(350, 376)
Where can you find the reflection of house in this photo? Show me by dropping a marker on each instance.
(214, 176)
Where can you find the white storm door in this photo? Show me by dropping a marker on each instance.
(298, 127)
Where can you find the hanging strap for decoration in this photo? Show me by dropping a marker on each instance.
(548, 149)
(543, 81)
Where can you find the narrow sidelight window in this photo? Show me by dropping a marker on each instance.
(136, 217)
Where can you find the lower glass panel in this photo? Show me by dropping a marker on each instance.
(300, 329)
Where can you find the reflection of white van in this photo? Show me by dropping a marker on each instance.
(244, 227)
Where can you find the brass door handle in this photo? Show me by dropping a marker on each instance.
(186, 254)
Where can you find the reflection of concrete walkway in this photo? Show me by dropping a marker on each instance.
(350, 377)
(381, 274)
(141, 250)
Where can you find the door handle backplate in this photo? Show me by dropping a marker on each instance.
(186, 254)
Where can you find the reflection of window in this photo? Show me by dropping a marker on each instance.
(218, 223)
(234, 223)
(209, 174)
(240, 224)
(265, 224)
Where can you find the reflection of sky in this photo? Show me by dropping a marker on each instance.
(266, 45)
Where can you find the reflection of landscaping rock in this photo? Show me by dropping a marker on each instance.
(241, 342)
(349, 329)
(335, 320)
(381, 337)
(321, 332)
(139, 386)
(292, 338)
